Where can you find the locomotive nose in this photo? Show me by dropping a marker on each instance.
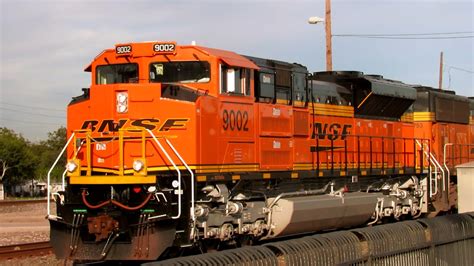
(116, 106)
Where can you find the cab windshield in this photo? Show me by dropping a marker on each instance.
(118, 73)
(182, 72)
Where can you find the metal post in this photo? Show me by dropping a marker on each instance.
(358, 155)
(328, 36)
(332, 156)
(317, 154)
(370, 150)
(404, 156)
(415, 161)
(394, 153)
(345, 153)
(444, 157)
(88, 153)
(383, 155)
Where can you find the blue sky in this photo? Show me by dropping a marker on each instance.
(45, 45)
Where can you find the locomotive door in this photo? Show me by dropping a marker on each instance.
(275, 120)
(390, 147)
(236, 143)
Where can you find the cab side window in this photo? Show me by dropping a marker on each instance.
(235, 80)
(282, 84)
(266, 87)
(299, 89)
(117, 73)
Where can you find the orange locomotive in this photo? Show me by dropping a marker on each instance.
(187, 146)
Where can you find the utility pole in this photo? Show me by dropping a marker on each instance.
(441, 71)
(328, 36)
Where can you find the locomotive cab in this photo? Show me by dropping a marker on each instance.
(134, 146)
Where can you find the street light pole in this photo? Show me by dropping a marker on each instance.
(328, 36)
(315, 20)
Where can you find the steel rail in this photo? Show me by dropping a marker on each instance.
(21, 202)
(23, 250)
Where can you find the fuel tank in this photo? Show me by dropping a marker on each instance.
(305, 214)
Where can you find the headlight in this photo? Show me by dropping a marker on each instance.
(122, 102)
(175, 183)
(71, 166)
(138, 165)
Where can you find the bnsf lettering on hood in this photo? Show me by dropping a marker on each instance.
(110, 125)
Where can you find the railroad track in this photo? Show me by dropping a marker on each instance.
(21, 202)
(23, 250)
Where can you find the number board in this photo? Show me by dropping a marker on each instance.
(123, 49)
(164, 48)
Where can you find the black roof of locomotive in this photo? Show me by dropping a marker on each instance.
(445, 104)
(373, 96)
(378, 85)
(271, 64)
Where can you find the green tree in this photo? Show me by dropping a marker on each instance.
(47, 152)
(16, 152)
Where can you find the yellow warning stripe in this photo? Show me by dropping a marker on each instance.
(408, 117)
(199, 168)
(111, 179)
(340, 165)
(149, 169)
(333, 114)
(227, 168)
(282, 101)
(423, 116)
(138, 179)
(299, 168)
(299, 103)
(287, 102)
(334, 110)
(332, 107)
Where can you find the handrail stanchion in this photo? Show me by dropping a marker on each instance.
(192, 178)
(49, 174)
(444, 162)
(63, 180)
(434, 162)
(175, 167)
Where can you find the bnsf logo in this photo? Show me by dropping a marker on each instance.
(148, 123)
(331, 131)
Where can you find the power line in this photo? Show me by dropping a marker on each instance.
(403, 34)
(32, 107)
(406, 38)
(30, 122)
(31, 113)
(460, 69)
